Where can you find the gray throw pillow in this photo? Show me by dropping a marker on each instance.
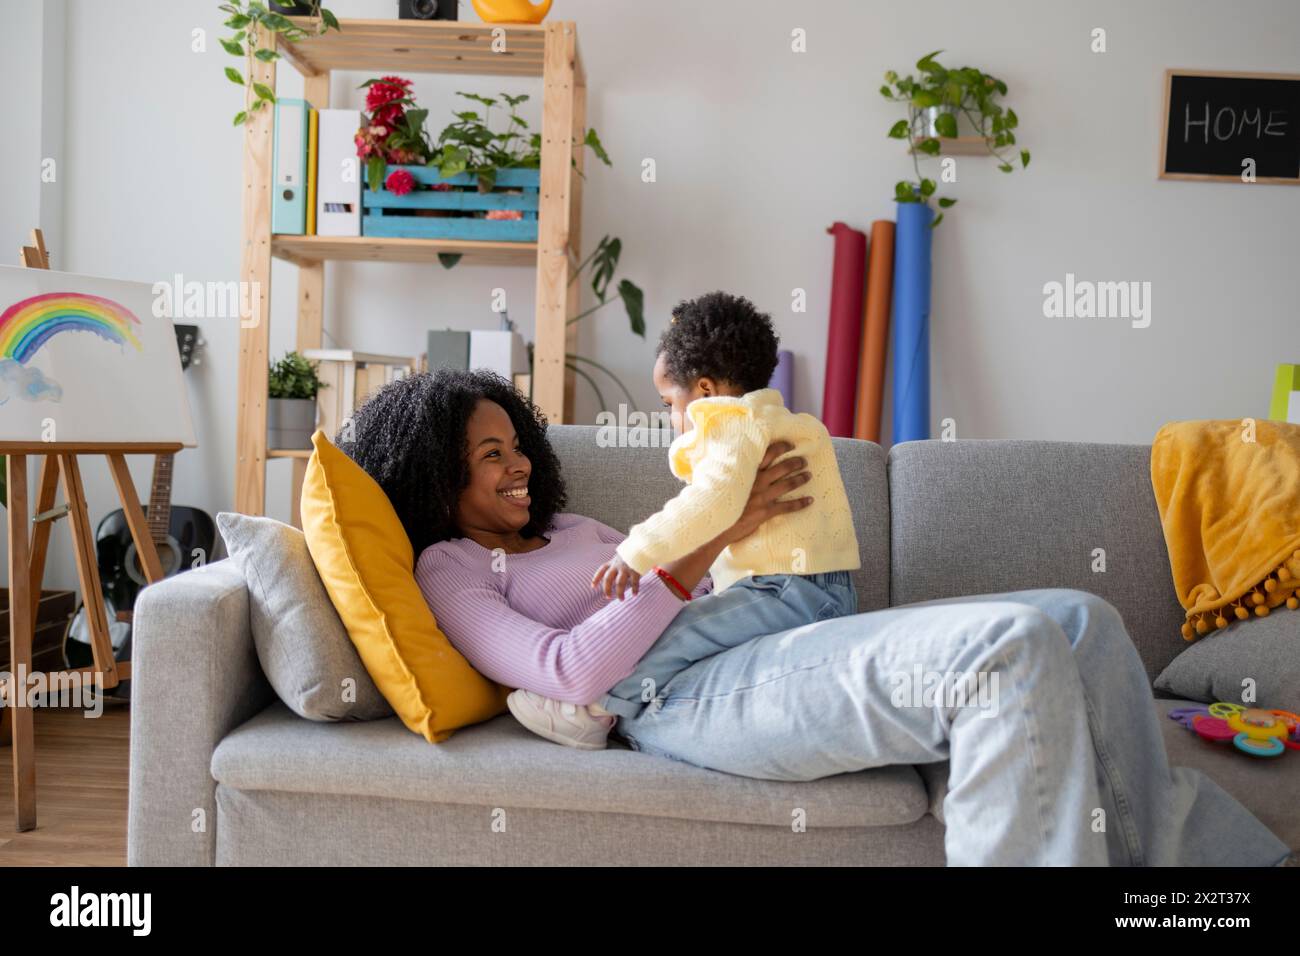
(301, 643)
(1265, 650)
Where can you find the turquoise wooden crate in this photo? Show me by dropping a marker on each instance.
(384, 211)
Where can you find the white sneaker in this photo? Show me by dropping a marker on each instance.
(574, 725)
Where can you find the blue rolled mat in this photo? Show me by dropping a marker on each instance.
(912, 322)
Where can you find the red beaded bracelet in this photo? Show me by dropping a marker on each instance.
(673, 583)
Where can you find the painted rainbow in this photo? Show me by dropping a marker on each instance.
(27, 325)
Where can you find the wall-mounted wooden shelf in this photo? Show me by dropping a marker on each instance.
(961, 146)
(547, 51)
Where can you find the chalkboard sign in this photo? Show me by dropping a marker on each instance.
(1216, 122)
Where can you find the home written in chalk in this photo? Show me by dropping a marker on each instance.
(1229, 121)
(1084, 299)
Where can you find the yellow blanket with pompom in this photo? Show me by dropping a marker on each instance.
(1229, 500)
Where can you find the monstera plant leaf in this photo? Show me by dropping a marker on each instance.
(604, 263)
(634, 302)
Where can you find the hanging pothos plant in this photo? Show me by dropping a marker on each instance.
(245, 19)
(935, 99)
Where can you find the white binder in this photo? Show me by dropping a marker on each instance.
(339, 175)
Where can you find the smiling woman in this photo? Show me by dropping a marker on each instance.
(493, 507)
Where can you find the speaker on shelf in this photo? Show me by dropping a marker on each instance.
(427, 10)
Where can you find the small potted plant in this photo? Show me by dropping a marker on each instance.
(470, 145)
(291, 409)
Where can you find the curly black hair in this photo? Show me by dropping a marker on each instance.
(410, 437)
(722, 337)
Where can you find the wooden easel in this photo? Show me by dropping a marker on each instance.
(27, 565)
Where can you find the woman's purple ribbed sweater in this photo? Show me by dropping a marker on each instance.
(534, 621)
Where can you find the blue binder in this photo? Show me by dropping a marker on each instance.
(289, 168)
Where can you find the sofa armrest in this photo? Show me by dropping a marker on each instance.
(195, 677)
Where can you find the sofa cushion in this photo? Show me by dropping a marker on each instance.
(301, 643)
(1264, 650)
(366, 562)
(596, 473)
(500, 764)
(983, 517)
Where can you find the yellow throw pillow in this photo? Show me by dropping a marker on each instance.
(365, 559)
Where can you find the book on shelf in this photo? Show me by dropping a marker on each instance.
(313, 151)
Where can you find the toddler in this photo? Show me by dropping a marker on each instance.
(712, 368)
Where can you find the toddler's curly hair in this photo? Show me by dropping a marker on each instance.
(719, 336)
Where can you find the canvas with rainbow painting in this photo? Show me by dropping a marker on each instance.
(85, 359)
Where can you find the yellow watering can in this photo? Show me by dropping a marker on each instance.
(511, 11)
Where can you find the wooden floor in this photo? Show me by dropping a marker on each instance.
(81, 786)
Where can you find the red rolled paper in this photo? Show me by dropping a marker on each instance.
(844, 334)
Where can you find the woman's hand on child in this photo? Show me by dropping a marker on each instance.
(770, 483)
(615, 576)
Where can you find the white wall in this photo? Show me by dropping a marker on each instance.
(33, 68)
(758, 151)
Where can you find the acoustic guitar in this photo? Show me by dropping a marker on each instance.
(183, 536)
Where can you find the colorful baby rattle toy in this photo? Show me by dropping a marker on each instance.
(1252, 730)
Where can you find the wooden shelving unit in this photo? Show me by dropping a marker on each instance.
(547, 51)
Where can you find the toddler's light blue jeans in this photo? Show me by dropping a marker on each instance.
(1056, 754)
(752, 607)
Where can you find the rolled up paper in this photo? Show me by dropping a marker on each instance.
(912, 322)
(875, 331)
(844, 332)
(783, 377)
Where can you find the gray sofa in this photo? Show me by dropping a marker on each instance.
(223, 773)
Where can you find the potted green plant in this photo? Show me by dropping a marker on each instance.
(291, 406)
(470, 145)
(939, 101)
(246, 42)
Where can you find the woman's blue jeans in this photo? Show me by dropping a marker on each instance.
(752, 607)
(1056, 754)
